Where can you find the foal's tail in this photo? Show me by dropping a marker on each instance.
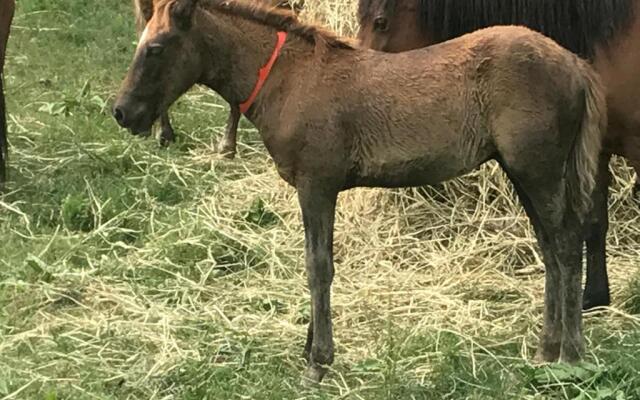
(4, 148)
(582, 167)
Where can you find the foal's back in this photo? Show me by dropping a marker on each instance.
(431, 114)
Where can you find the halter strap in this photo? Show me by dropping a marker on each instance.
(263, 74)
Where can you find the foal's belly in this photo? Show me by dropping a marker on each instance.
(417, 172)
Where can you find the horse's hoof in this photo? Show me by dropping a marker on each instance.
(590, 301)
(313, 376)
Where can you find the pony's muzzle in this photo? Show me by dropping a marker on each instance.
(132, 116)
(120, 116)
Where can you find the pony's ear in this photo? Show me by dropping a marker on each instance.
(144, 10)
(182, 13)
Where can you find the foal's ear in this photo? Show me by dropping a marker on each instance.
(144, 9)
(182, 13)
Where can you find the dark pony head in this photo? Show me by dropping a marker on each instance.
(391, 25)
(578, 25)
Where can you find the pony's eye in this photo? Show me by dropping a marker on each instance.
(155, 49)
(380, 24)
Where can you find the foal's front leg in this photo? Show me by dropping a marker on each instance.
(227, 146)
(318, 209)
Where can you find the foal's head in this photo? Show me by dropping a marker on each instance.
(166, 63)
(391, 25)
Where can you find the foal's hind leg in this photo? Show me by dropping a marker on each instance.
(565, 237)
(551, 335)
(560, 235)
(568, 248)
(227, 146)
(596, 290)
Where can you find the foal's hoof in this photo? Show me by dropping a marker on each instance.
(547, 353)
(590, 301)
(542, 358)
(313, 376)
(572, 351)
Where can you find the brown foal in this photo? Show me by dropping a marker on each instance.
(334, 117)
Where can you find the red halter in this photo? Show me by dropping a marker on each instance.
(263, 74)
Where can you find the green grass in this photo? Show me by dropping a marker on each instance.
(129, 271)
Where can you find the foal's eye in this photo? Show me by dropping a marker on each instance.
(380, 24)
(155, 49)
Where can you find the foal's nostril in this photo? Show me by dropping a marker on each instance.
(118, 114)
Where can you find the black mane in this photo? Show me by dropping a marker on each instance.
(578, 25)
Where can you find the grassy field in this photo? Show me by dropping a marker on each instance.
(128, 271)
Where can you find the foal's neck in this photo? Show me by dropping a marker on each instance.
(236, 49)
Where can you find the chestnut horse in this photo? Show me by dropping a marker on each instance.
(607, 32)
(228, 145)
(7, 7)
(334, 117)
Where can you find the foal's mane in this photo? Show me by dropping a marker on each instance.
(578, 25)
(284, 20)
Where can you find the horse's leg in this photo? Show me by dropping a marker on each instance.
(560, 234)
(318, 208)
(227, 146)
(3, 135)
(551, 335)
(306, 353)
(7, 8)
(167, 136)
(568, 247)
(565, 236)
(596, 290)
